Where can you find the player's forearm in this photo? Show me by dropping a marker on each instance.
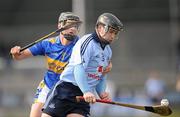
(22, 55)
(81, 78)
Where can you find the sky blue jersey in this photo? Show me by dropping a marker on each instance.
(57, 57)
(89, 52)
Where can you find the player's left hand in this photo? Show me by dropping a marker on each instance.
(105, 96)
(107, 69)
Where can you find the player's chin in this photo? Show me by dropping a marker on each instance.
(110, 41)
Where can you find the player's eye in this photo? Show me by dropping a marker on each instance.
(76, 26)
(111, 30)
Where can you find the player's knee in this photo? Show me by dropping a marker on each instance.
(36, 110)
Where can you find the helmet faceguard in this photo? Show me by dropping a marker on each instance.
(111, 23)
(110, 20)
(69, 17)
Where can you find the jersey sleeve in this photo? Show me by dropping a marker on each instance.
(101, 87)
(38, 49)
(80, 77)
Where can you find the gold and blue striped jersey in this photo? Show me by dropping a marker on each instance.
(57, 57)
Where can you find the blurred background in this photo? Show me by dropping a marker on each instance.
(146, 57)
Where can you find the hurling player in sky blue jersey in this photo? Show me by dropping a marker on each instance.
(84, 73)
(57, 51)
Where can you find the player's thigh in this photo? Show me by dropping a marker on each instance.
(36, 109)
(39, 100)
(45, 115)
(74, 115)
(41, 93)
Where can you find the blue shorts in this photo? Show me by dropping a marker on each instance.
(62, 101)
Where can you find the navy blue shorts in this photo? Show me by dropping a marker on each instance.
(62, 101)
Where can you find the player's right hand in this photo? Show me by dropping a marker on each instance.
(15, 50)
(89, 97)
(107, 69)
(105, 96)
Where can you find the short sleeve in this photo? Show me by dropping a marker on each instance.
(38, 49)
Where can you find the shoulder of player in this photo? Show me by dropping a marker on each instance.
(85, 42)
(86, 39)
(51, 40)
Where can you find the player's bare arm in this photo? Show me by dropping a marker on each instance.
(17, 55)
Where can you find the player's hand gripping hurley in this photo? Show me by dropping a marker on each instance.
(163, 110)
(69, 25)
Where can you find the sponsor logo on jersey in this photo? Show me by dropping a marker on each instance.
(94, 76)
(55, 65)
